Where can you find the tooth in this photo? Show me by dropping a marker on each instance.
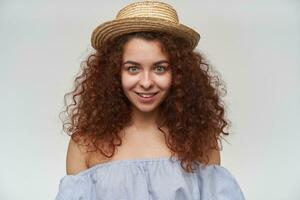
(146, 95)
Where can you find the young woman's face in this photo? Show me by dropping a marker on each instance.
(146, 74)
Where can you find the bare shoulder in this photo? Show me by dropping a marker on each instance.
(76, 158)
(214, 157)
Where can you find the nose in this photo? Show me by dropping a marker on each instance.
(146, 80)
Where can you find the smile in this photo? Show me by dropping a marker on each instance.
(146, 95)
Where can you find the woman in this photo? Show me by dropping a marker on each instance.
(146, 118)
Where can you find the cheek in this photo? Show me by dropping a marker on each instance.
(128, 82)
(165, 82)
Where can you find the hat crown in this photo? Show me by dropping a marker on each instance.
(153, 9)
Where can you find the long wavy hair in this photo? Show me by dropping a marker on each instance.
(193, 112)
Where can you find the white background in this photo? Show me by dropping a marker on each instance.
(253, 44)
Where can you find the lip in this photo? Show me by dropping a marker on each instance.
(146, 99)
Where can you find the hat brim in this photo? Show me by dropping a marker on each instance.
(114, 28)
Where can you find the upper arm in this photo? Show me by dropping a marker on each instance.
(76, 158)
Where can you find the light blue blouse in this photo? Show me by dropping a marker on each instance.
(149, 179)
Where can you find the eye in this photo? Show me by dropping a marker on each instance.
(132, 69)
(161, 69)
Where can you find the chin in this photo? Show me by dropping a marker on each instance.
(146, 109)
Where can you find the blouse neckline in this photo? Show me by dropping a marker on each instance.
(126, 162)
(131, 161)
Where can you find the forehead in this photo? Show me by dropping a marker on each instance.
(139, 49)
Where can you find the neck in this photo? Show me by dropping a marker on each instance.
(143, 120)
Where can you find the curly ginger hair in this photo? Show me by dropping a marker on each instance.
(193, 112)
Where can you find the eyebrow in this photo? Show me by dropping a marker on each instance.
(136, 63)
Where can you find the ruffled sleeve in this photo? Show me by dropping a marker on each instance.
(216, 182)
(72, 187)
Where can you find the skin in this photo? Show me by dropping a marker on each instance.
(145, 69)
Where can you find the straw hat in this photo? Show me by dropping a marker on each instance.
(144, 16)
